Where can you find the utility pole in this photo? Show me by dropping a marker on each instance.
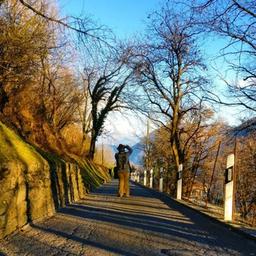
(212, 177)
(146, 154)
(102, 153)
(147, 146)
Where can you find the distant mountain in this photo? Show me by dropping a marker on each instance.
(136, 158)
(244, 129)
(138, 150)
(137, 155)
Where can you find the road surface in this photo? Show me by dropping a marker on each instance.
(143, 224)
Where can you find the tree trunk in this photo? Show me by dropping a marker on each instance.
(3, 98)
(92, 144)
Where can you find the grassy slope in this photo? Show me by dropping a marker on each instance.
(93, 175)
(13, 148)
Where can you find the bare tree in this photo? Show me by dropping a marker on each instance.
(84, 27)
(85, 113)
(169, 69)
(59, 98)
(235, 20)
(24, 39)
(106, 80)
(246, 176)
(27, 33)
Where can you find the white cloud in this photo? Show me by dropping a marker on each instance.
(124, 128)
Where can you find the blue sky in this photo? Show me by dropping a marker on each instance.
(125, 17)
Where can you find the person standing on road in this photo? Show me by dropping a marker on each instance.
(123, 169)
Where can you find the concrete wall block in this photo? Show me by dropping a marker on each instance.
(26, 193)
(74, 183)
(60, 185)
(39, 191)
(81, 187)
(68, 182)
(13, 206)
(21, 203)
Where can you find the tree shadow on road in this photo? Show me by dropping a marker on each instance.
(198, 229)
(161, 223)
(83, 241)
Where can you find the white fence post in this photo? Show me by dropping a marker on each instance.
(161, 180)
(179, 183)
(145, 178)
(151, 179)
(138, 177)
(229, 184)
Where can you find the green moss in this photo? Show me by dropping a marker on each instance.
(92, 175)
(13, 148)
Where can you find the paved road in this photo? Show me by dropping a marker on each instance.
(142, 224)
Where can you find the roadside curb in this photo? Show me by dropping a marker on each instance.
(225, 224)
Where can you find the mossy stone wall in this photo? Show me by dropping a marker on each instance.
(35, 185)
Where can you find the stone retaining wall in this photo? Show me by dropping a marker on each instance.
(36, 192)
(34, 185)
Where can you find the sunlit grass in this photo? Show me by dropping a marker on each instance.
(13, 148)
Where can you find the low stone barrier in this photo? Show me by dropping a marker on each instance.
(35, 185)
